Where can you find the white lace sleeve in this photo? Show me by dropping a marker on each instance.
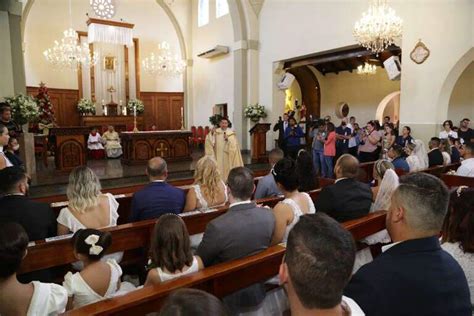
(114, 205)
(68, 283)
(64, 218)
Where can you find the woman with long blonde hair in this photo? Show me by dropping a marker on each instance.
(208, 190)
(87, 206)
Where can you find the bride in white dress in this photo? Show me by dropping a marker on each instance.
(417, 156)
(30, 299)
(98, 280)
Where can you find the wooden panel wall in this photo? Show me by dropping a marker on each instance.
(163, 109)
(64, 104)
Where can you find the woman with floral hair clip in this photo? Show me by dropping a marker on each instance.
(99, 279)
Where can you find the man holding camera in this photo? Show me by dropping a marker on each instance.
(281, 126)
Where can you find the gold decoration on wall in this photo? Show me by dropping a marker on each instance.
(420, 53)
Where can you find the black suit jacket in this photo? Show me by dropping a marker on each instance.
(435, 158)
(415, 277)
(280, 127)
(345, 200)
(38, 219)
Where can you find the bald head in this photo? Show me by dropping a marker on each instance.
(347, 166)
(157, 169)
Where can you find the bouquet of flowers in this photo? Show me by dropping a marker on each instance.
(135, 103)
(24, 108)
(216, 119)
(255, 112)
(85, 106)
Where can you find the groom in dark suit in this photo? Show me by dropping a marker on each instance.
(281, 126)
(413, 275)
(244, 230)
(158, 197)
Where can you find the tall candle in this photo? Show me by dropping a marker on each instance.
(182, 110)
(103, 102)
(134, 110)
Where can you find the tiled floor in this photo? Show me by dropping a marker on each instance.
(113, 174)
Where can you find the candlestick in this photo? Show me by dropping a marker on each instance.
(135, 129)
(182, 118)
(105, 110)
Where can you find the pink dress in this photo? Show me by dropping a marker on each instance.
(330, 145)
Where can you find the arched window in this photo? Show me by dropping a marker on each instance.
(203, 12)
(222, 8)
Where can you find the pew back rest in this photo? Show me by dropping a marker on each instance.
(455, 181)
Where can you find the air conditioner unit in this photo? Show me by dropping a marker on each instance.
(393, 67)
(286, 81)
(216, 51)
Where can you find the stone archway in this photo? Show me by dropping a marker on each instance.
(310, 91)
(390, 103)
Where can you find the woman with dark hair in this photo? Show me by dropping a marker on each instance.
(458, 232)
(295, 204)
(368, 150)
(11, 153)
(388, 138)
(4, 138)
(305, 170)
(405, 139)
(98, 279)
(448, 130)
(171, 254)
(192, 302)
(329, 151)
(34, 298)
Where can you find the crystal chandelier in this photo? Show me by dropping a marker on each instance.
(367, 69)
(164, 63)
(69, 53)
(379, 27)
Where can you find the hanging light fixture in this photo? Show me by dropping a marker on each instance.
(68, 53)
(367, 69)
(379, 27)
(164, 63)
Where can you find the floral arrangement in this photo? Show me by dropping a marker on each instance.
(24, 108)
(85, 106)
(255, 112)
(215, 120)
(135, 103)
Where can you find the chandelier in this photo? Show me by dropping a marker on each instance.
(379, 27)
(69, 53)
(367, 69)
(164, 63)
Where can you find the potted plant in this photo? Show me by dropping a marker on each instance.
(135, 104)
(85, 106)
(24, 109)
(255, 112)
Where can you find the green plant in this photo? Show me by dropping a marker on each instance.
(24, 108)
(255, 112)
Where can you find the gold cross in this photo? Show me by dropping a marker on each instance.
(161, 150)
(111, 89)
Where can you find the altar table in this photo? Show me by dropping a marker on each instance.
(139, 147)
(70, 146)
(119, 122)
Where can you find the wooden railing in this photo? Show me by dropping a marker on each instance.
(457, 181)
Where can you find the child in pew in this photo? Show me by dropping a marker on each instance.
(99, 279)
(171, 255)
(30, 299)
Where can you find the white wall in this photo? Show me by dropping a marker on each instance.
(213, 79)
(461, 103)
(48, 18)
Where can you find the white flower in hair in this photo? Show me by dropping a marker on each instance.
(92, 240)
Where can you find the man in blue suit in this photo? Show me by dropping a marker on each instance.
(158, 197)
(413, 275)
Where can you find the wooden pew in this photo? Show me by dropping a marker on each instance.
(219, 280)
(43, 254)
(455, 181)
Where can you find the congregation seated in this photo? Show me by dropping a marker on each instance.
(4, 137)
(16, 298)
(458, 232)
(94, 145)
(171, 255)
(296, 204)
(11, 153)
(347, 198)
(313, 273)
(111, 139)
(467, 165)
(435, 157)
(266, 186)
(87, 206)
(157, 197)
(192, 302)
(395, 153)
(405, 278)
(307, 179)
(243, 230)
(209, 189)
(98, 279)
(445, 149)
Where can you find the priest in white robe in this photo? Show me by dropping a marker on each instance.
(111, 139)
(223, 145)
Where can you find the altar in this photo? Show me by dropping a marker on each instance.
(121, 123)
(171, 145)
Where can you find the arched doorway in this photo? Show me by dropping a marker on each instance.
(389, 106)
(310, 91)
(461, 101)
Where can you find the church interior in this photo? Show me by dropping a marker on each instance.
(113, 84)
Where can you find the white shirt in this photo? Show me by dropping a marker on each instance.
(239, 203)
(467, 168)
(387, 247)
(444, 134)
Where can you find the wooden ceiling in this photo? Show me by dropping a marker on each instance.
(344, 59)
